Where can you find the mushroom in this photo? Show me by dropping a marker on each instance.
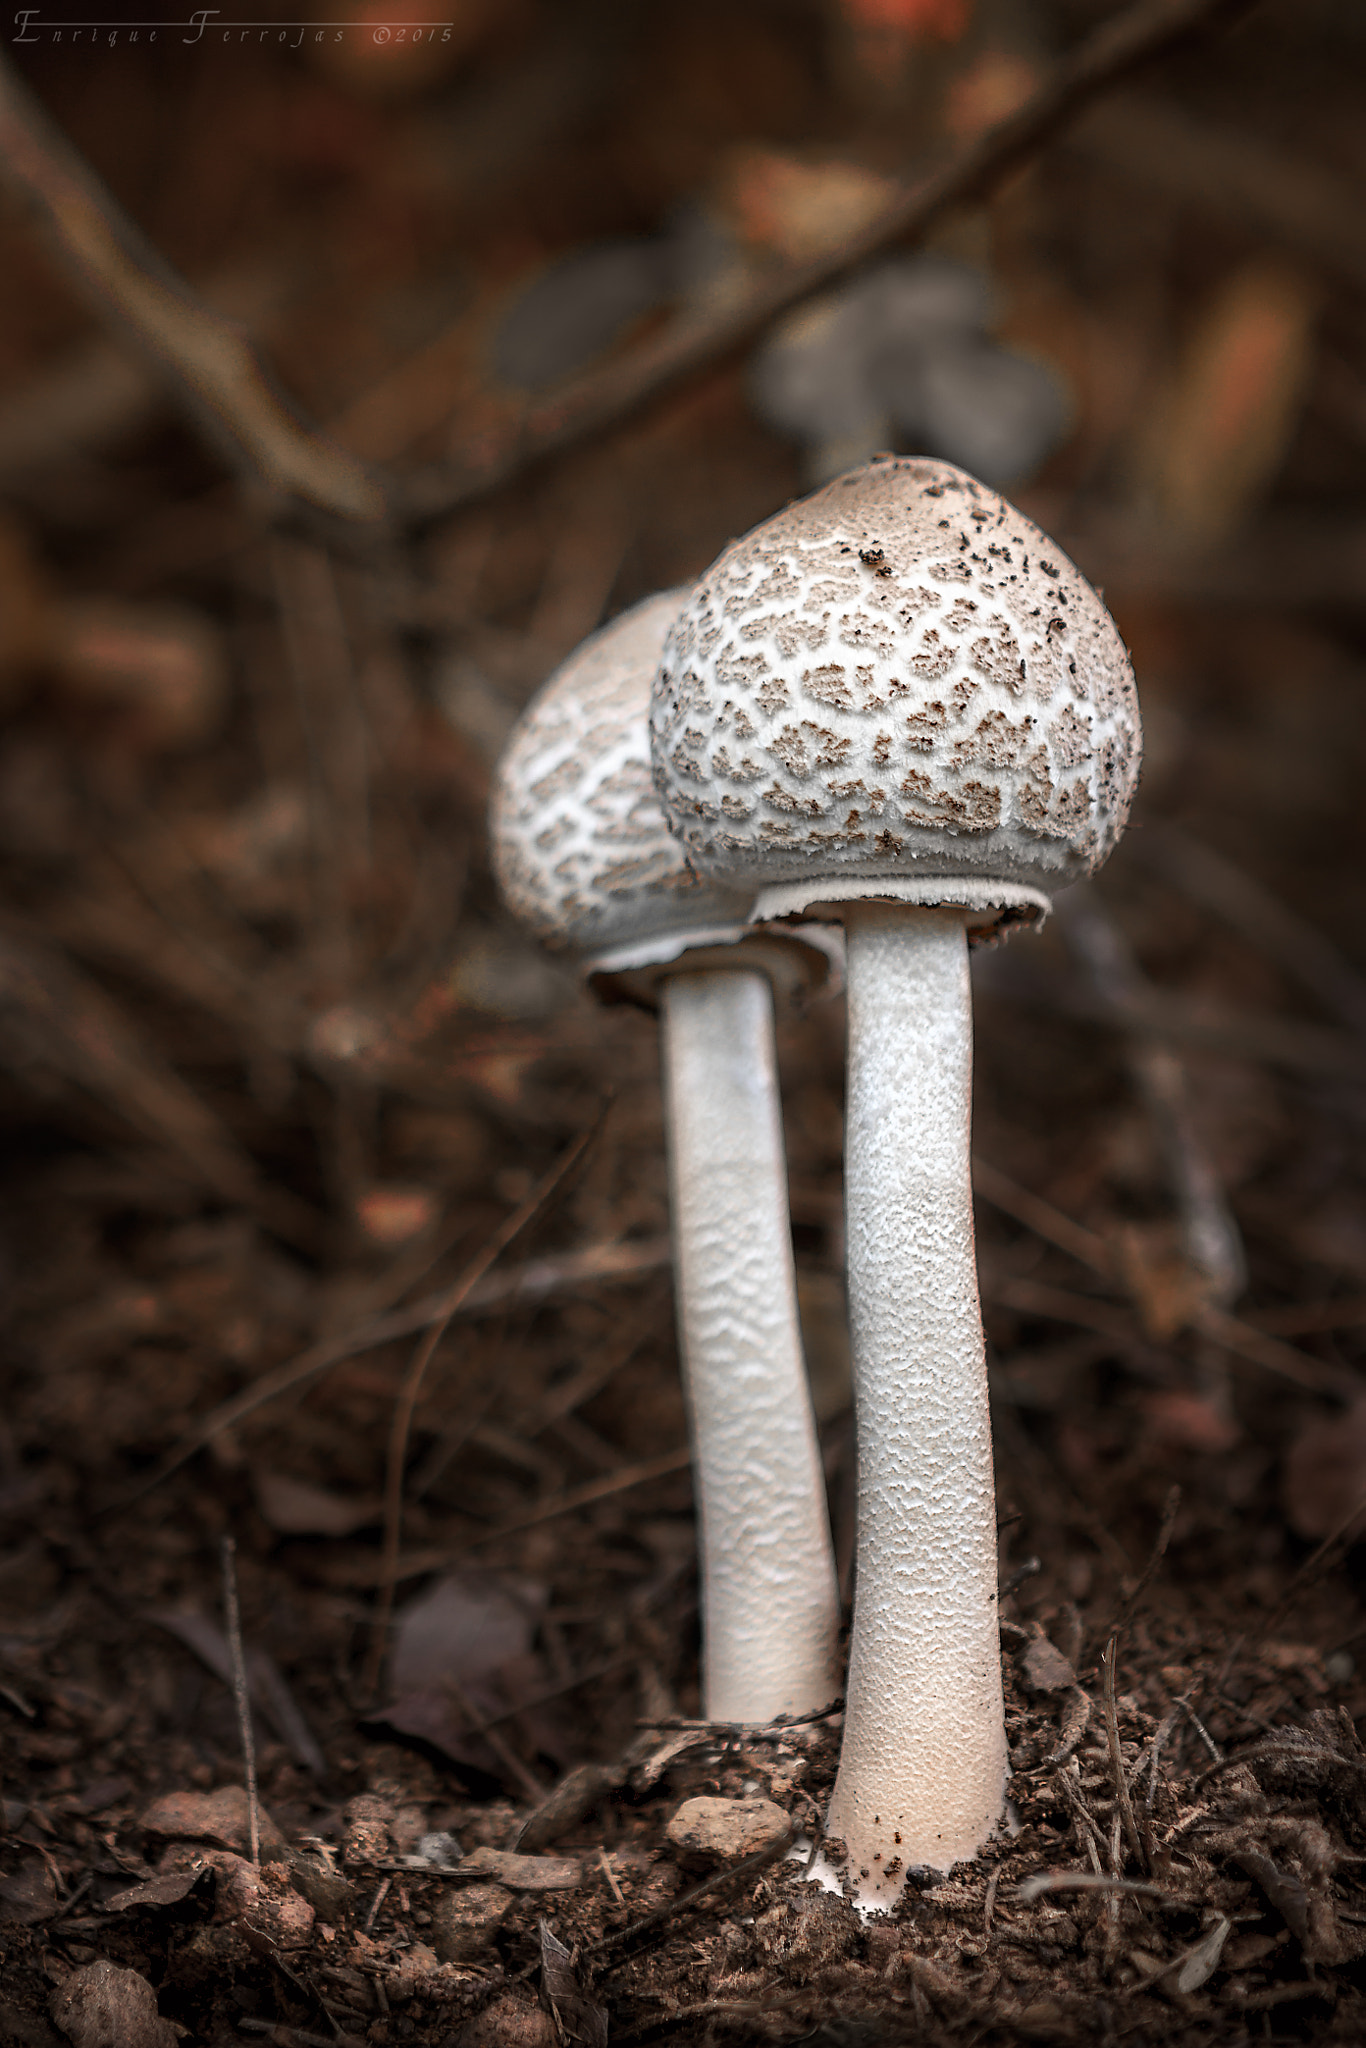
(898, 705)
(585, 858)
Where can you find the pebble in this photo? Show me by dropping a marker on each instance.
(220, 1817)
(723, 1830)
(465, 1922)
(102, 2006)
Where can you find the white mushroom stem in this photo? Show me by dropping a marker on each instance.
(923, 1767)
(770, 1601)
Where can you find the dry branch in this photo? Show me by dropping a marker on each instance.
(700, 341)
(206, 361)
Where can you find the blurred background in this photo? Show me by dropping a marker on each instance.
(276, 1065)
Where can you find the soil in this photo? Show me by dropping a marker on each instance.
(277, 1070)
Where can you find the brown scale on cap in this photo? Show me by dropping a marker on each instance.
(580, 848)
(900, 675)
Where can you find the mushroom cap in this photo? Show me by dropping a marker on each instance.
(896, 686)
(581, 849)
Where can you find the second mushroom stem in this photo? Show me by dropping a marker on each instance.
(922, 1771)
(770, 1601)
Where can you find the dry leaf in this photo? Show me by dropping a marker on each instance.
(1233, 402)
(800, 210)
(162, 667)
(577, 2019)
(463, 1650)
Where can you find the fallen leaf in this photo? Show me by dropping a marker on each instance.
(166, 1889)
(944, 20)
(576, 2017)
(294, 1508)
(1199, 1964)
(464, 1650)
(1323, 1485)
(269, 1692)
(30, 1895)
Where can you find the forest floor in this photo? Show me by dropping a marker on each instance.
(277, 1070)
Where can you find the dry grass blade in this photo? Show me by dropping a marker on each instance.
(232, 1627)
(567, 1503)
(59, 1018)
(205, 360)
(1126, 1805)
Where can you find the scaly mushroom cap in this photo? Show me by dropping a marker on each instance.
(897, 682)
(581, 848)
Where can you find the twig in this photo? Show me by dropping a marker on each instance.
(567, 1503)
(381, 1894)
(523, 1287)
(1171, 1507)
(232, 1622)
(746, 1731)
(1126, 1806)
(1031, 1888)
(530, 1784)
(205, 360)
(738, 1873)
(605, 1865)
(698, 342)
(1258, 915)
(1212, 1242)
(64, 1019)
(405, 1406)
(1087, 1247)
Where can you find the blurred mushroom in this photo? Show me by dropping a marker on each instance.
(903, 353)
(897, 705)
(585, 859)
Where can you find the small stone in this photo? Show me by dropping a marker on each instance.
(709, 1830)
(264, 1902)
(465, 1922)
(327, 1891)
(508, 2023)
(441, 1850)
(220, 1817)
(1044, 1668)
(421, 1973)
(102, 2006)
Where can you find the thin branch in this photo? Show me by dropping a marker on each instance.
(406, 1405)
(525, 1286)
(700, 341)
(206, 361)
(1126, 1807)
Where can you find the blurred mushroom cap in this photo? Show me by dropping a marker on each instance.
(581, 849)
